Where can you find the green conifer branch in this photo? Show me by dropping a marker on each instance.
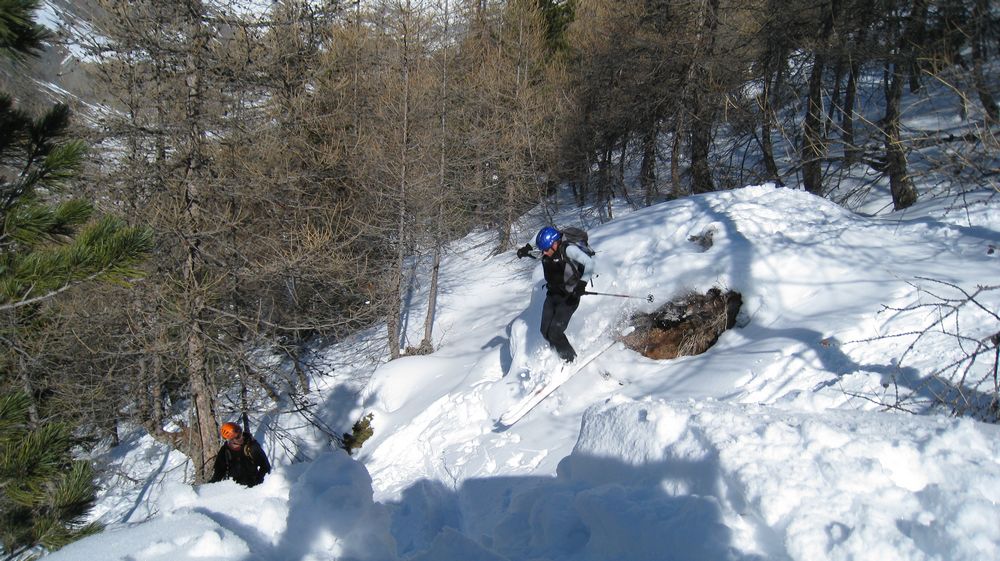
(105, 250)
(46, 246)
(19, 34)
(44, 493)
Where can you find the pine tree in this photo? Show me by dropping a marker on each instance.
(46, 247)
(48, 243)
(19, 34)
(44, 493)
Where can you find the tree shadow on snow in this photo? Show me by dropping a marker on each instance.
(330, 516)
(904, 387)
(595, 509)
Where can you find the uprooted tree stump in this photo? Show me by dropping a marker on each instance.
(685, 326)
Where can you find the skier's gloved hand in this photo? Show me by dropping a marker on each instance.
(580, 289)
(524, 251)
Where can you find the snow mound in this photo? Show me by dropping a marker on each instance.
(815, 485)
(322, 510)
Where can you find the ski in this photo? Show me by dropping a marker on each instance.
(538, 394)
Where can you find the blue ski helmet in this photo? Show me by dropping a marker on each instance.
(546, 237)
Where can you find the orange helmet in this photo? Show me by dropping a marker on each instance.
(230, 431)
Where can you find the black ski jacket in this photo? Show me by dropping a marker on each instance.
(246, 466)
(561, 272)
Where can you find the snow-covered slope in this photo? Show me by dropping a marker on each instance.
(771, 445)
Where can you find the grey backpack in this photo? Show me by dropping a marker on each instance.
(577, 237)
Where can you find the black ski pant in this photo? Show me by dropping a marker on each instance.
(556, 313)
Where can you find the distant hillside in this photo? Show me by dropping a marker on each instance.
(56, 73)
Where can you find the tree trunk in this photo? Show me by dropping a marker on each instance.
(852, 153)
(202, 437)
(701, 143)
(427, 343)
(813, 143)
(395, 318)
(979, 15)
(766, 123)
(904, 194)
(836, 103)
(506, 232)
(585, 172)
(647, 170)
(619, 179)
(917, 33)
(604, 168)
(814, 136)
(676, 190)
(702, 111)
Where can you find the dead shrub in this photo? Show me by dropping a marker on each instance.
(685, 326)
(360, 432)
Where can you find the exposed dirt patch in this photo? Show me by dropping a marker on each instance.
(685, 326)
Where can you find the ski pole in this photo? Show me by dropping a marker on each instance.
(648, 298)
